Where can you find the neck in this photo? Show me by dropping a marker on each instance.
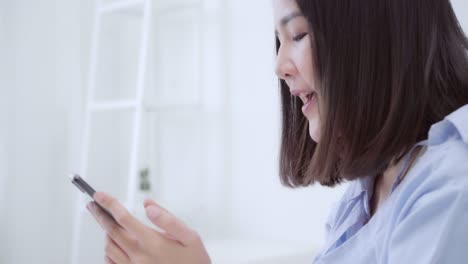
(383, 182)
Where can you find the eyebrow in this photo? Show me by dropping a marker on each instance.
(285, 20)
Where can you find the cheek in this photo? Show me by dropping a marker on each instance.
(304, 62)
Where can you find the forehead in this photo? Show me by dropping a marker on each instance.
(284, 11)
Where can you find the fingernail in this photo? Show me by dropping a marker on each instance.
(153, 211)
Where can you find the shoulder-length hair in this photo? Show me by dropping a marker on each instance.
(387, 70)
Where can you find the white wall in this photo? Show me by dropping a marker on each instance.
(461, 9)
(42, 69)
(4, 113)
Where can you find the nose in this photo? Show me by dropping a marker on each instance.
(284, 68)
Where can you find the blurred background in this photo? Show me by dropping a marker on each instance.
(202, 138)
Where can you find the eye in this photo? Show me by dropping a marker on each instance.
(299, 37)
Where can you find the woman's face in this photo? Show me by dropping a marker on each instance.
(294, 62)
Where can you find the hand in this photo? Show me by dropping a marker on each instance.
(130, 241)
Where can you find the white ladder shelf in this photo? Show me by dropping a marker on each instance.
(134, 104)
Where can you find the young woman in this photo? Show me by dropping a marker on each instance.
(374, 92)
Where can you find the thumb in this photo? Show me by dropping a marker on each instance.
(173, 226)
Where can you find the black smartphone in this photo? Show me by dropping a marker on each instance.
(86, 188)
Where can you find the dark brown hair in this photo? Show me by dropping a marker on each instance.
(388, 70)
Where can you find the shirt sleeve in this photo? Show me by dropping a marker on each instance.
(434, 227)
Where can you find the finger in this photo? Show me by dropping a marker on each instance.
(149, 202)
(121, 214)
(174, 227)
(115, 231)
(109, 260)
(115, 253)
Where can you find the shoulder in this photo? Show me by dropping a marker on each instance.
(444, 165)
(446, 157)
(429, 213)
(442, 170)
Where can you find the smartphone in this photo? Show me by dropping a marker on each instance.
(83, 186)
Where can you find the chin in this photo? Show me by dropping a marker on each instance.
(314, 132)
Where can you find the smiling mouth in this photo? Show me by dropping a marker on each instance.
(307, 97)
(309, 101)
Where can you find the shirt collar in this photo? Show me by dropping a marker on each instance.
(359, 187)
(453, 125)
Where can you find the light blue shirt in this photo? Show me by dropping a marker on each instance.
(424, 219)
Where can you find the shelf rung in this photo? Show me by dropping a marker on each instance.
(169, 108)
(119, 5)
(180, 7)
(117, 105)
